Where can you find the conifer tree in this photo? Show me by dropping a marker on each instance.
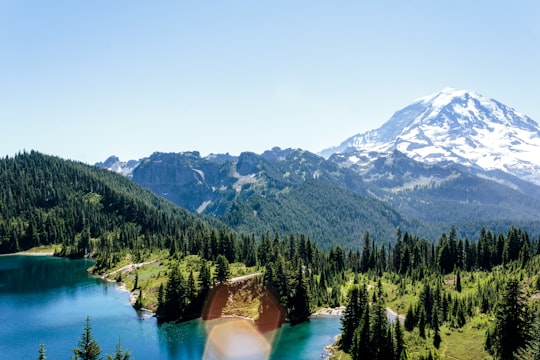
(174, 294)
(42, 355)
(532, 350)
(436, 330)
(205, 280)
(300, 306)
(458, 281)
(400, 351)
(160, 301)
(380, 338)
(88, 347)
(222, 269)
(410, 319)
(361, 345)
(352, 316)
(119, 353)
(511, 329)
(422, 323)
(139, 302)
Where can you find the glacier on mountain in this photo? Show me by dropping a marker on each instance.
(454, 126)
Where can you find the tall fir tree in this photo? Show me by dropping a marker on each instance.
(300, 305)
(88, 347)
(361, 344)
(511, 330)
(400, 351)
(42, 353)
(222, 269)
(532, 349)
(352, 315)
(119, 353)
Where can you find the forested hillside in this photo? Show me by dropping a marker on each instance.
(92, 212)
(294, 190)
(328, 214)
(46, 200)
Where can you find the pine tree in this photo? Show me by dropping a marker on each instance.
(380, 341)
(205, 280)
(191, 290)
(422, 323)
(88, 347)
(532, 350)
(222, 269)
(42, 355)
(352, 316)
(400, 351)
(136, 283)
(458, 281)
(173, 304)
(436, 330)
(366, 253)
(410, 319)
(300, 306)
(160, 301)
(511, 327)
(139, 302)
(361, 345)
(119, 353)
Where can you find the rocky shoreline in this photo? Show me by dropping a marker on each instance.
(329, 312)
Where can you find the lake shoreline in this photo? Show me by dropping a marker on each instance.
(31, 253)
(329, 311)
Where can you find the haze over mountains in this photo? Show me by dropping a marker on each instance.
(452, 158)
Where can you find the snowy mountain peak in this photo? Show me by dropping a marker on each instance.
(456, 126)
(114, 164)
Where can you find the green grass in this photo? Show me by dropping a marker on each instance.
(46, 249)
(151, 276)
(467, 342)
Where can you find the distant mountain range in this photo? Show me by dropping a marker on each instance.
(453, 158)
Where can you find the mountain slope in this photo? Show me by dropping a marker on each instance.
(455, 126)
(290, 191)
(330, 215)
(269, 192)
(46, 200)
(444, 196)
(211, 184)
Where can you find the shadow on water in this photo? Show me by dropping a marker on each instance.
(21, 274)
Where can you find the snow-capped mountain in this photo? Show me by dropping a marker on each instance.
(454, 126)
(114, 164)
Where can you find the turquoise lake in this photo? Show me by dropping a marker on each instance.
(48, 299)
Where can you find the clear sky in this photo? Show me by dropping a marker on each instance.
(85, 79)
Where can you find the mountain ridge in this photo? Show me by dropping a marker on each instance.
(401, 165)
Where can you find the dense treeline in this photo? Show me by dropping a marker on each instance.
(367, 332)
(412, 259)
(411, 255)
(297, 274)
(46, 200)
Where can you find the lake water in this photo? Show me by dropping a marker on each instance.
(48, 299)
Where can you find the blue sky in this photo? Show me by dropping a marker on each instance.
(87, 79)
